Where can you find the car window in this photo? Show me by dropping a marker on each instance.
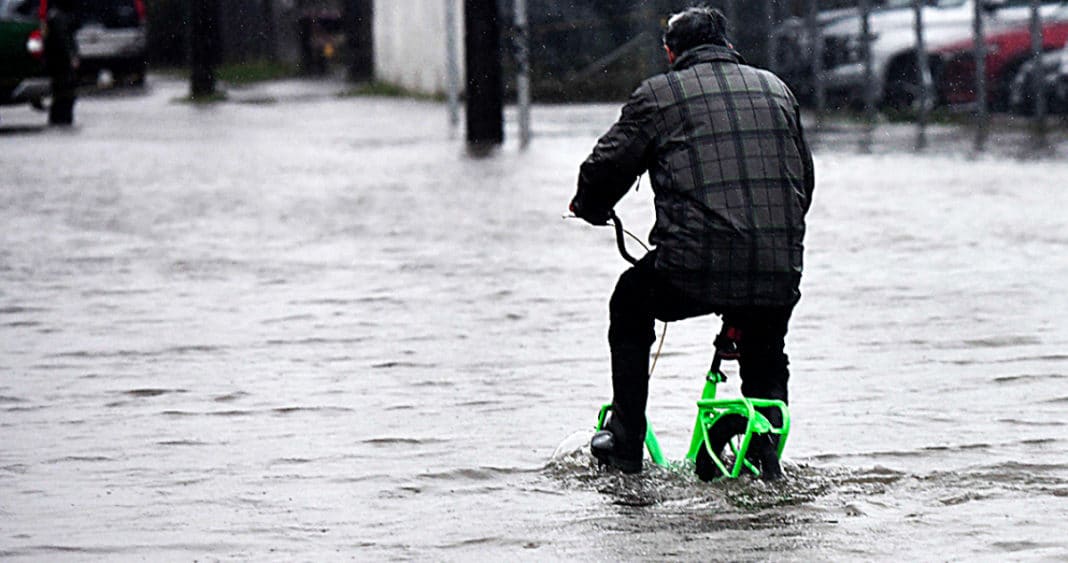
(108, 13)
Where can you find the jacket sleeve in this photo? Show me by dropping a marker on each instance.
(620, 155)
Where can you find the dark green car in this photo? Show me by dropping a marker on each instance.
(23, 78)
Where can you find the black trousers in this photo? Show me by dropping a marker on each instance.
(643, 295)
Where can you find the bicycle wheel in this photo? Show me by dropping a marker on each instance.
(724, 429)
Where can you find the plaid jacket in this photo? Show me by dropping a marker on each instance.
(732, 177)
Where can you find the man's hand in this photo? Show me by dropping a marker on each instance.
(596, 217)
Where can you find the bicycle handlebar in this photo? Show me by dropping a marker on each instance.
(620, 242)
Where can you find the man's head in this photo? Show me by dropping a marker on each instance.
(694, 27)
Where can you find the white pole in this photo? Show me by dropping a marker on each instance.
(522, 81)
(452, 69)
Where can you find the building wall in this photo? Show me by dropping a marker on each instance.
(410, 43)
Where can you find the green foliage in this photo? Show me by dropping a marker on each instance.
(387, 90)
(254, 71)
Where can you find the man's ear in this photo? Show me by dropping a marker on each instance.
(670, 55)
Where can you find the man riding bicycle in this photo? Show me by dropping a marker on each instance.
(733, 179)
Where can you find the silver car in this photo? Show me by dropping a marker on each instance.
(1052, 70)
(112, 37)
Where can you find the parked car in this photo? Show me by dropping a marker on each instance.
(112, 36)
(1052, 68)
(895, 78)
(23, 77)
(1008, 48)
(793, 44)
(1060, 84)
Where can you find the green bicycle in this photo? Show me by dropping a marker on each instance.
(725, 427)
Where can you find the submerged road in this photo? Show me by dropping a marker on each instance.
(302, 326)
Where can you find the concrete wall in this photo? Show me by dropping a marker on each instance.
(410, 43)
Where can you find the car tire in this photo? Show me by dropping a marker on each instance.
(1001, 93)
(904, 91)
(1020, 94)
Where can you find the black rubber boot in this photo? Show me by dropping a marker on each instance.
(764, 448)
(762, 452)
(621, 442)
(616, 453)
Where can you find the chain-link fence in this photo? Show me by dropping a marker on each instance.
(913, 56)
(905, 58)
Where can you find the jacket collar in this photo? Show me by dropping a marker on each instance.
(706, 54)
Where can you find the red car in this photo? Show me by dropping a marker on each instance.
(1007, 50)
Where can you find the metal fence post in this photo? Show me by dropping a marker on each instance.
(815, 38)
(773, 39)
(1037, 78)
(731, 10)
(522, 80)
(865, 44)
(980, 74)
(923, 65)
(452, 67)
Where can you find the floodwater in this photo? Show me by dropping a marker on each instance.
(297, 326)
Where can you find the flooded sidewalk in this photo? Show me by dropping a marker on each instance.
(299, 325)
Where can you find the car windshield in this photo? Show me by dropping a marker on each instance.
(109, 13)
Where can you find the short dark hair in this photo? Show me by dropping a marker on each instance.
(695, 26)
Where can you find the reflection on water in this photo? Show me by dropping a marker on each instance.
(316, 327)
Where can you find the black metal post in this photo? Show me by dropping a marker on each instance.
(482, 54)
(923, 68)
(865, 43)
(815, 38)
(1038, 74)
(731, 11)
(205, 49)
(270, 34)
(774, 20)
(359, 23)
(979, 43)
